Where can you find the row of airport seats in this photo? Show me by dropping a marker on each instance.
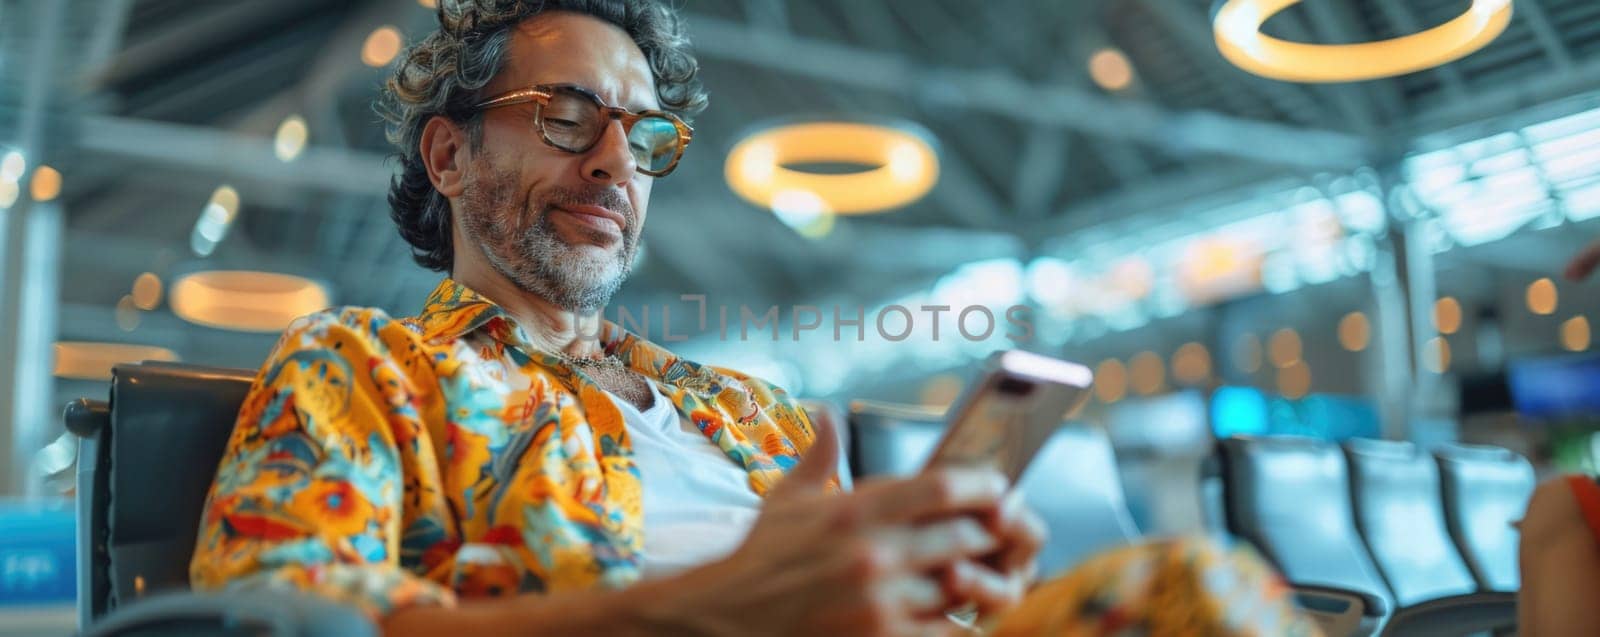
(1368, 533)
(148, 453)
(1424, 540)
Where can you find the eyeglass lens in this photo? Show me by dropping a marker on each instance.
(574, 122)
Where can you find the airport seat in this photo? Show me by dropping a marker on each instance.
(1292, 497)
(147, 457)
(1399, 511)
(1486, 490)
(1072, 484)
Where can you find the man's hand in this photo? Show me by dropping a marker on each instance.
(998, 582)
(1585, 263)
(887, 559)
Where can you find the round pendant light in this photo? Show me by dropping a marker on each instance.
(1237, 26)
(244, 300)
(902, 166)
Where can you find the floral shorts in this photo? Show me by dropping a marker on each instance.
(1182, 586)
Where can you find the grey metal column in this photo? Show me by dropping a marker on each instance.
(1404, 287)
(30, 248)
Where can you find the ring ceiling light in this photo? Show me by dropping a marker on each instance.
(904, 166)
(244, 300)
(1237, 26)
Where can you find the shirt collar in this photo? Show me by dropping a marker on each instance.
(454, 311)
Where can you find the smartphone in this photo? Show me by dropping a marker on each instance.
(1002, 420)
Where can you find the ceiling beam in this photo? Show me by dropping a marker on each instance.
(1139, 204)
(1001, 93)
(1192, 29)
(1530, 91)
(208, 23)
(1404, 19)
(209, 151)
(1040, 171)
(1546, 33)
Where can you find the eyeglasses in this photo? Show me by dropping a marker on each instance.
(573, 119)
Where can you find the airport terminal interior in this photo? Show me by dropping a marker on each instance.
(1319, 257)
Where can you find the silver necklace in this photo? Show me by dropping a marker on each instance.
(586, 362)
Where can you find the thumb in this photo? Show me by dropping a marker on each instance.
(1584, 263)
(819, 462)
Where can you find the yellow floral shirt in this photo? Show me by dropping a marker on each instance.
(386, 462)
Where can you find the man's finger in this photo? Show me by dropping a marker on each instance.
(932, 494)
(820, 462)
(1585, 263)
(938, 543)
(1023, 532)
(991, 591)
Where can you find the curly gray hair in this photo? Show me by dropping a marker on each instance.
(443, 74)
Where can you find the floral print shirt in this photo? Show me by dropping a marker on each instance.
(387, 462)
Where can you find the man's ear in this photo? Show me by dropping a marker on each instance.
(445, 151)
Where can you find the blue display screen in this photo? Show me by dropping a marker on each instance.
(1555, 387)
(38, 560)
(1244, 410)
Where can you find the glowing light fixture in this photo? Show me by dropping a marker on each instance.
(244, 300)
(1436, 355)
(1447, 315)
(1575, 334)
(12, 166)
(93, 361)
(290, 139)
(214, 221)
(46, 184)
(127, 314)
(1110, 381)
(1237, 27)
(805, 212)
(1284, 348)
(147, 291)
(1294, 381)
(1354, 331)
(9, 191)
(1110, 69)
(1542, 297)
(1191, 364)
(1147, 373)
(902, 167)
(381, 46)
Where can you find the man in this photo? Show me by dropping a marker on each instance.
(507, 461)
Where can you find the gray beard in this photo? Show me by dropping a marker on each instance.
(535, 258)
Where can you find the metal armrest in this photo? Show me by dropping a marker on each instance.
(274, 613)
(1455, 615)
(85, 418)
(1341, 611)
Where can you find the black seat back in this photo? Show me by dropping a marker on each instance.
(1290, 497)
(1399, 511)
(1072, 483)
(144, 475)
(1486, 489)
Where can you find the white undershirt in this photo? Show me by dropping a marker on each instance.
(697, 501)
